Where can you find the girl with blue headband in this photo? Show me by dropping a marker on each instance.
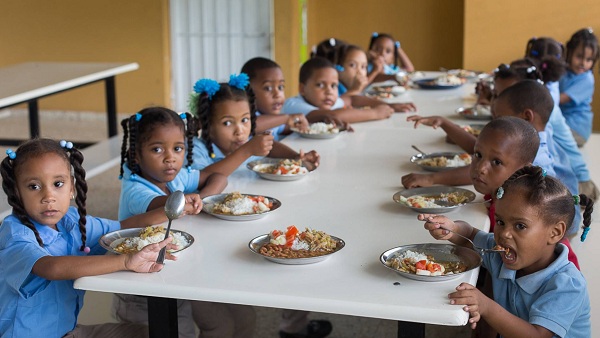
(387, 57)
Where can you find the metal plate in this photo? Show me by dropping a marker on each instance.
(419, 157)
(256, 243)
(440, 253)
(431, 84)
(433, 191)
(266, 162)
(318, 136)
(209, 201)
(470, 113)
(110, 240)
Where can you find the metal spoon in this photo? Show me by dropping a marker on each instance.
(419, 150)
(481, 250)
(173, 209)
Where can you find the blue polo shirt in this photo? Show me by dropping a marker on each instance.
(555, 298)
(137, 192)
(31, 306)
(202, 157)
(578, 111)
(297, 105)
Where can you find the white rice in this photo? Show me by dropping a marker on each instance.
(138, 243)
(300, 245)
(456, 161)
(412, 256)
(322, 128)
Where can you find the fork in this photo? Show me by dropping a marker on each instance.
(482, 251)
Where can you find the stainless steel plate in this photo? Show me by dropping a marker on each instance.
(256, 243)
(431, 84)
(317, 135)
(433, 191)
(209, 201)
(110, 240)
(419, 157)
(267, 162)
(470, 113)
(440, 253)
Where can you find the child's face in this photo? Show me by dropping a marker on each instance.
(581, 60)
(354, 64)
(493, 161)
(268, 86)
(231, 125)
(520, 228)
(45, 187)
(321, 89)
(384, 47)
(161, 157)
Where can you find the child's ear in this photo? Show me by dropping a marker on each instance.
(528, 115)
(301, 89)
(556, 232)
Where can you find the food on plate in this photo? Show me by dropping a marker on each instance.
(473, 131)
(237, 204)
(429, 201)
(463, 73)
(386, 92)
(147, 236)
(480, 109)
(284, 167)
(292, 243)
(459, 160)
(424, 265)
(448, 80)
(323, 128)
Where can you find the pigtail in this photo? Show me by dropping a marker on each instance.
(9, 187)
(552, 69)
(125, 125)
(131, 153)
(252, 104)
(588, 205)
(374, 37)
(397, 53)
(76, 160)
(191, 132)
(203, 115)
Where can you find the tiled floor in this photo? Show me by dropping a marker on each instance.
(103, 202)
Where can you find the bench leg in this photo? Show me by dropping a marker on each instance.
(34, 119)
(162, 317)
(411, 330)
(111, 106)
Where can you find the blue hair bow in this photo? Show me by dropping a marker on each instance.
(397, 44)
(138, 117)
(65, 144)
(339, 68)
(208, 86)
(375, 34)
(239, 81)
(11, 154)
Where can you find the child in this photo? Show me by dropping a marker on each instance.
(227, 120)
(319, 99)
(46, 244)
(268, 85)
(153, 153)
(537, 291)
(327, 48)
(577, 86)
(387, 57)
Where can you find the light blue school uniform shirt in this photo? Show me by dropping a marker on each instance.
(202, 157)
(297, 105)
(277, 132)
(32, 306)
(578, 111)
(137, 192)
(387, 69)
(555, 298)
(342, 89)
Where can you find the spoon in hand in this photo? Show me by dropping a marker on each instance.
(173, 209)
(419, 150)
(481, 250)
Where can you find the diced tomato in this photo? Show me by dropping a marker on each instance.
(283, 170)
(275, 233)
(290, 235)
(421, 265)
(433, 267)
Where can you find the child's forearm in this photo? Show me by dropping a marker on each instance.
(156, 215)
(213, 184)
(281, 150)
(230, 163)
(266, 122)
(457, 176)
(72, 267)
(509, 325)
(458, 135)
(564, 98)
(405, 62)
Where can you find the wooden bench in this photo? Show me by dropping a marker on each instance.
(98, 158)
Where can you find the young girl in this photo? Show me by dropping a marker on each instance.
(387, 57)
(45, 244)
(537, 291)
(577, 86)
(153, 153)
(268, 85)
(227, 117)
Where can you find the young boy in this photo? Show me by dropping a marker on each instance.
(319, 99)
(268, 85)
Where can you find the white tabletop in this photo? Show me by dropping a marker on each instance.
(26, 81)
(348, 196)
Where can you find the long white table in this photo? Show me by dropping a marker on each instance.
(28, 82)
(348, 196)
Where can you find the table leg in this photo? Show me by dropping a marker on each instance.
(162, 317)
(410, 330)
(111, 106)
(34, 119)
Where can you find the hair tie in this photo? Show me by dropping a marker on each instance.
(540, 81)
(500, 193)
(576, 199)
(65, 144)
(239, 81)
(138, 117)
(530, 70)
(189, 168)
(535, 53)
(120, 177)
(544, 173)
(183, 116)
(133, 176)
(590, 30)
(11, 154)
(86, 249)
(375, 34)
(208, 86)
(584, 233)
(212, 155)
(339, 68)
(332, 42)
(397, 44)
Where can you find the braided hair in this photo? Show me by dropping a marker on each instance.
(586, 38)
(540, 48)
(204, 109)
(326, 49)
(378, 36)
(138, 128)
(10, 168)
(552, 198)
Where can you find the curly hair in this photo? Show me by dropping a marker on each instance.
(584, 37)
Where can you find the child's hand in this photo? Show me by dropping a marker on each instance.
(433, 224)
(476, 302)
(342, 125)
(377, 61)
(261, 144)
(403, 107)
(193, 204)
(432, 121)
(484, 93)
(417, 180)
(383, 111)
(145, 259)
(310, 159)
(298, 121)
(359, 83)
